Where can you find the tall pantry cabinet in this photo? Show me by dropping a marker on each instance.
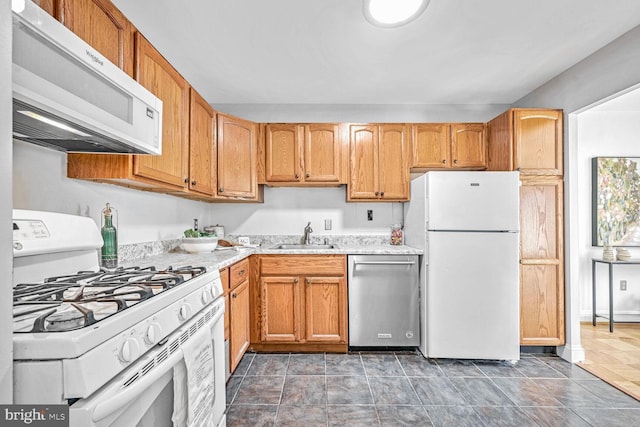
(530, 141)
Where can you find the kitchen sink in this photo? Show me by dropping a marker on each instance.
(302, 246)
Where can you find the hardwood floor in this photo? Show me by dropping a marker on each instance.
(613, 357)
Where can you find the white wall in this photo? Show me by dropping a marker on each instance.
(6, 257)
(287, 211)
(40, 182)
(602, 134)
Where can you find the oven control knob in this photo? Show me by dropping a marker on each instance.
(153, 334)
(206, 297)
(184, 312)
(128, 350)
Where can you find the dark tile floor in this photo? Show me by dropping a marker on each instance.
(403, 388)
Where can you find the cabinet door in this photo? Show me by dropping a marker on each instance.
(280, 309)
(282, 151)
(158, 76)
(468, 145)
(239, 323)
(500, 142)
(541, 259)
(322, 148)
(538, 141)
(393, 162)
(325, 309)
(103, 26)
(430, 146)
(202, 153)
(363, 162)
(237, 158)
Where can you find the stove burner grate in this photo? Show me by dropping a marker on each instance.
(76, 301)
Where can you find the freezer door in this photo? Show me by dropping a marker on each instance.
(473, 296)
(473, 200)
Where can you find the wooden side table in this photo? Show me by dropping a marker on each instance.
(594, 261)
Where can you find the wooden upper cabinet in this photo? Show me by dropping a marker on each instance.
(157, 75)
(446, 145)
(430, 144)
(202, 148)
(528, 140)
(379, 163)
(393, 160)
(103, 26)
(322, 153)
(282, 150)
(363, 162)
(237, 159)
(468, 146)
(302, 154)
(538, 137)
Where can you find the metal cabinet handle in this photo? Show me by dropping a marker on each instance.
(193, 182)
(186, 180)
(307, 175)
(308, 281)
(295, 280)
(444, 162)
(234, 295)
(382, 193)
(455, 161)
(384, 262)
(241, 272)
(221, 190)
(377, 192)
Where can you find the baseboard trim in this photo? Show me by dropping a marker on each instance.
(571, 353)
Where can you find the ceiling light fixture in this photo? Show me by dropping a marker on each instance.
(393, 13)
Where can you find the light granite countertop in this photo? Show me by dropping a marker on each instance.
(219, 259)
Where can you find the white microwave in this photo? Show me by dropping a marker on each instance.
(67, 96)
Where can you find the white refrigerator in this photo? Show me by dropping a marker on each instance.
(467, 223)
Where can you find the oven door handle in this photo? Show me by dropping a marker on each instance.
(125, 396)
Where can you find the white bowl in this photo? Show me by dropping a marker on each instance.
(199, 244)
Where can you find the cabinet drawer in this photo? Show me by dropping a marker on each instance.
(306, 265)
(238, 273)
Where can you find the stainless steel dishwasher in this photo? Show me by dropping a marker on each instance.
(384, 308)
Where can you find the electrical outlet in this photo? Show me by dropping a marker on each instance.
(327, 224)
(369, 214)
(623, 285)
(244, 240)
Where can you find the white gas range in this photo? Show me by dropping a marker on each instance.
(118, 346)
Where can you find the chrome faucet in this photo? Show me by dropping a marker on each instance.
(306, 239)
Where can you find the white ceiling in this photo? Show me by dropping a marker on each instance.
(325, 52)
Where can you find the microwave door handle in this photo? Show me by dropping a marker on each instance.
(126, 396)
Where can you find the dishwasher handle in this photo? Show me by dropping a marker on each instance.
(384, 262)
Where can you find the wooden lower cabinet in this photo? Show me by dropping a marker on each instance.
(235, 282)
(541, 261)
(299, 303)
(238, 323)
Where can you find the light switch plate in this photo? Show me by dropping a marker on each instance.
(327, 224)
